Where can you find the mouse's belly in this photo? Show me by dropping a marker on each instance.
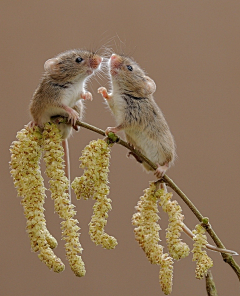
(72, 94)
(72, 101)
(152, 149)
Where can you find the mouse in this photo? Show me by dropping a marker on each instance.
(132, 103)
(136, 113)
(61, 92)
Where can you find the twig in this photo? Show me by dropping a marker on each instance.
(205, 222)
(210, 285)
(188, 232)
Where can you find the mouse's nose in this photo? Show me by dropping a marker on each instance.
(113, 56)
(115, 63)
(95, 61)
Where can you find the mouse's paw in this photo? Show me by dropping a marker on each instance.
(86, 95)
(103, 91)
(138, 159)
(73, 116)
(131, 145)
(111, 130)
(161, 170)
(31, 124)
(114, 129)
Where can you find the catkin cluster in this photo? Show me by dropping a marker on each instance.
(147, 234)
(25, 163)
(177, 248)
(59, 185)
(25, 170)
(200, 256)
(146, 227)
(94, 183)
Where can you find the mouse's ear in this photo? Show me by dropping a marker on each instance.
(150, 85)
(51, 65)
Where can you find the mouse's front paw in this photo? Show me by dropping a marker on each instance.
(103, 91)
(110, 130)
(86, 96)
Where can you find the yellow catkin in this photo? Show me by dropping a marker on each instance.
(166, 274)
(146, 227)
(203, 262)
(147, 234)
(25, 158)
(59, 185)
(94, 183)
(177, 248)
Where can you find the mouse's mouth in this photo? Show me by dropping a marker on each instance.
(90, 71)
(115, 64)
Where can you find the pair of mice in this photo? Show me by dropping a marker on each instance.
(62, 90)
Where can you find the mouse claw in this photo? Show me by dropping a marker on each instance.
(73, 116)
(86, 96)
(103, 91)
(31, 125)
(138, 159)
(131, 145)
(161, 170)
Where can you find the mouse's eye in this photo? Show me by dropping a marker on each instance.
(130, 68)
(79, 60)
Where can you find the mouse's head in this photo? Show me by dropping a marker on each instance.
(72, 65)
(128, 77)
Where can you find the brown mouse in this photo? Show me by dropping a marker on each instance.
(136, 112)
(62, 89)
(131, 102)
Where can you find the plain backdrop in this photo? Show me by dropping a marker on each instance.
(191, 50)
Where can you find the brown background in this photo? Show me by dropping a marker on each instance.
(191, 49)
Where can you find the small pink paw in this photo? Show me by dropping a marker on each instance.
(103, 92)
(31, 125)
(111, 130)
(160, 171)
(73, 116)
(86, 96)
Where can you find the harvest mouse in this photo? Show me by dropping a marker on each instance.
(61, 91)
(131, 102)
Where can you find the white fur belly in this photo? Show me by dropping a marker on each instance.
(117, 106)
(72, 94)
(70, 99)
